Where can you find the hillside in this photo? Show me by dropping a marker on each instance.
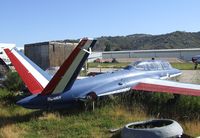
(145, 41)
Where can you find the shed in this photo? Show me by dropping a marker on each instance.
(49, 54)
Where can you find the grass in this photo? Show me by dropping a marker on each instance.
(191, 127)
(181, 66)
(17, 122)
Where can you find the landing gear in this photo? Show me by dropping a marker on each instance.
(93, 106)
(90, 101)
(89, 105)
(195, 65)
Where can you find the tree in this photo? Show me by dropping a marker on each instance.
(108, 47)
(13, 82)
(117, 49)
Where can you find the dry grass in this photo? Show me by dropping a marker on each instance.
(136, 114)
(117, 116)
(191, 127)
(11, 131)
(96, 133)
(50, 116)
(3, 112)
(19, 122)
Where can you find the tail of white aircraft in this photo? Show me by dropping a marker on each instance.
(38, 81)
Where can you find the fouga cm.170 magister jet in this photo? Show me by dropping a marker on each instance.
(64, 89)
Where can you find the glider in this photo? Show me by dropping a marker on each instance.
(64, 89)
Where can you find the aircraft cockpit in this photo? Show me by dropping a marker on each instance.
(149, 65)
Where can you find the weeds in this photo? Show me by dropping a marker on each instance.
(109, 113)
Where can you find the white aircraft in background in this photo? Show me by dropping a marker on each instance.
(3, 55)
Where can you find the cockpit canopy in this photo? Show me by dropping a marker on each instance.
(150, 65)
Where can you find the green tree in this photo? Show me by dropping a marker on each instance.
(107, 48)
(13, 82)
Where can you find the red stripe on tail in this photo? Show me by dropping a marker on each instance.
(63, 68)
(33, 85)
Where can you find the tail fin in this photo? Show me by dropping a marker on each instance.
(33, 76)
(69, 70)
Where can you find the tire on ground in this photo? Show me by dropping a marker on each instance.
(152, 129)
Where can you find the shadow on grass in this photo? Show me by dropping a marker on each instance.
(15, 119)
(116, 135)
(8, 120)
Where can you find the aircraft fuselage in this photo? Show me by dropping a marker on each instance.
(110, 82)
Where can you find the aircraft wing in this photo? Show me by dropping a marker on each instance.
(166, 86)
(151, 85)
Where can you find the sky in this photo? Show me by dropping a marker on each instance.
(30, 21)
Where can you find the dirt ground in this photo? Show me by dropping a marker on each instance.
(191, 76)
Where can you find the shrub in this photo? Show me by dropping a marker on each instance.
(114, 60)
(13, 82)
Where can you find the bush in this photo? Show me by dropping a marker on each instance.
(167, 105)
(13, 82)
(114, 60)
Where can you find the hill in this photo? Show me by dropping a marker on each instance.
(172, 40)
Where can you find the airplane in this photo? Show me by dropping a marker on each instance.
(63, 90)
(2, 63)
(3, 56)
(196, 60)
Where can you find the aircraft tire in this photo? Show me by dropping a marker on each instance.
(169, 128)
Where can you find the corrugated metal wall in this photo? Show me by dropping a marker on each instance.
(38, 53)
(48, 54)
(58, 52)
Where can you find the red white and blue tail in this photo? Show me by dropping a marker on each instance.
(69, 70)
(39, 81)
(33, 76)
